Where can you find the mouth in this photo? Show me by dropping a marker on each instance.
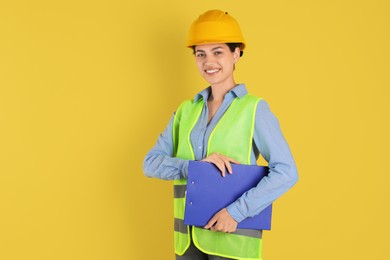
(212, 71)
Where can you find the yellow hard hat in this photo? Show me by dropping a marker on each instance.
(215, 26)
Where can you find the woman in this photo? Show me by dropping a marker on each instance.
(222, 125)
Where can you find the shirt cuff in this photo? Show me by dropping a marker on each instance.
(235, 213)
(184, 169)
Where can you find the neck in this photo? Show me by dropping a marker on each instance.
(219, 91)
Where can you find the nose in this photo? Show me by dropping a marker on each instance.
(210, 59)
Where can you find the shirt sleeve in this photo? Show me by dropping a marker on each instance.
(159, 161)
(271, 144)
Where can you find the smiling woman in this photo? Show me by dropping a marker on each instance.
(216, 64)
(218, 44)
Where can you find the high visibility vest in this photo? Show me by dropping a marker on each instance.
(232, 137)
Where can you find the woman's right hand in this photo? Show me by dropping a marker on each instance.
(222, 162)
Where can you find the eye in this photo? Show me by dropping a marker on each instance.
(218, 53)
(200, 55)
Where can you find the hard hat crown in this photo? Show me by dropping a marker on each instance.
(215, 26)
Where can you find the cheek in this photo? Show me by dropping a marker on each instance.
(228, 65)
(226, 62)
(199, 65)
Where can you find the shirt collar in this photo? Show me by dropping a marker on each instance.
(238, 91)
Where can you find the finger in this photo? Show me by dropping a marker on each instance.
(223, 170)
(218, 163)
(214, 228)
(234, 161)
(211, 223)
(219, 228)
(228, 167)
(221, 167)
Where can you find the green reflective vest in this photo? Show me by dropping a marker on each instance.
(232, 137)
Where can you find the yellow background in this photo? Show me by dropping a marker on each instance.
(87, 86)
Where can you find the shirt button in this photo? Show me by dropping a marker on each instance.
(200, 147)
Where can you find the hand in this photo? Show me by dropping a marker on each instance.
(222, 162)
(222, 221)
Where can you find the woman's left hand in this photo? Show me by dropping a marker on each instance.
(222, 221)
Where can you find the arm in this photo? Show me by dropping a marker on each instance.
(270, 142)
(159, 161)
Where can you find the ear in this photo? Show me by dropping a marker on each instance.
(236, 55)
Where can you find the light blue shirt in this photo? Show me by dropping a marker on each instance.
(268, 141)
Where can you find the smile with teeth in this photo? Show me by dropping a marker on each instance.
(212, 71)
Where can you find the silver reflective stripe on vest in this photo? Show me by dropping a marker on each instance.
(179, 191)
(248, 232)
(179, 226)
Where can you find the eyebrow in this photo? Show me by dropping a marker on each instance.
(213, 49)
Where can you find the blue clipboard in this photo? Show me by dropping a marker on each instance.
(208, 192)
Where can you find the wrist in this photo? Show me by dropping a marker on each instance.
(235, 213)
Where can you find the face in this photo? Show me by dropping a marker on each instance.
(216, 63)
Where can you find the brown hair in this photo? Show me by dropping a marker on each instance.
(232, 46)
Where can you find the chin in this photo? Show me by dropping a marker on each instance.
(211, 80)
